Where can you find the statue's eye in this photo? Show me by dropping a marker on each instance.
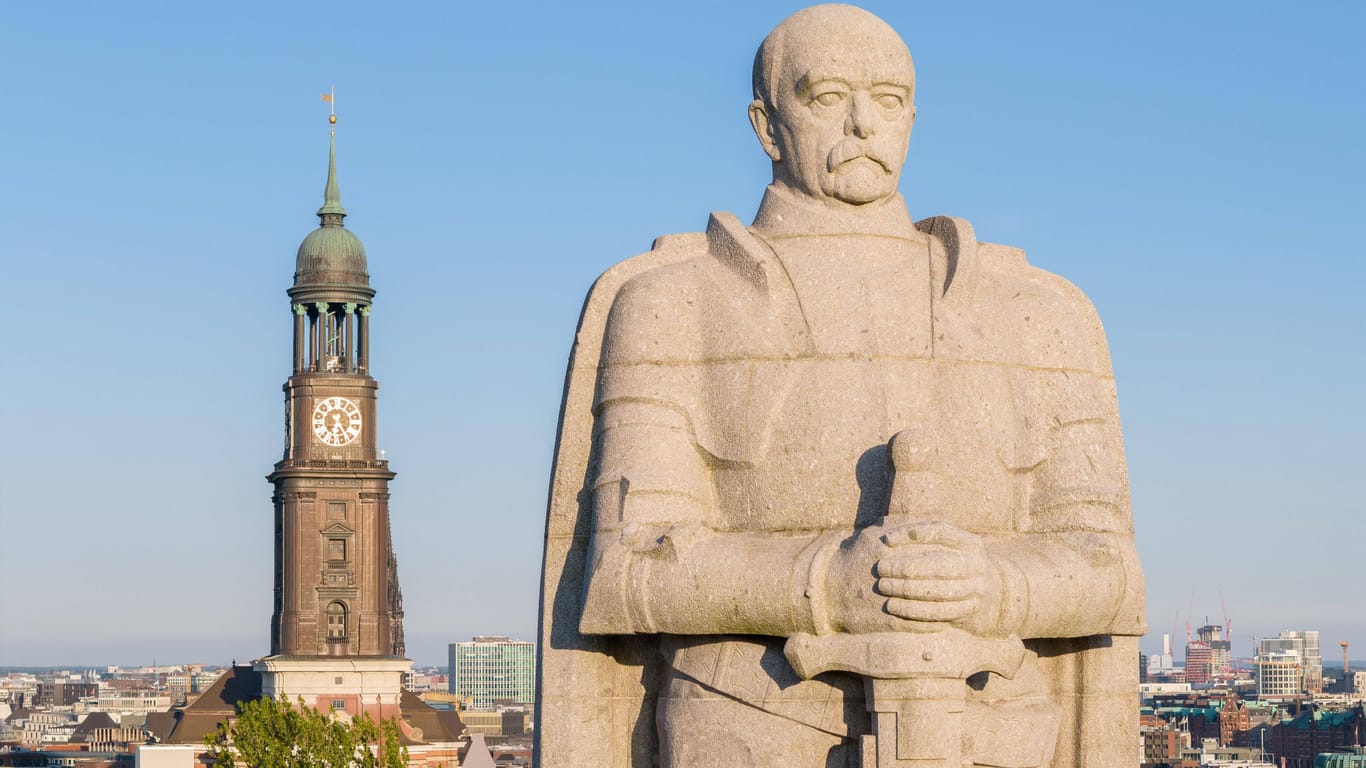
(829, 98)
(889, 101)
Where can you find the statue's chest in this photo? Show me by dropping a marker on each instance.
(816, 453)
(860, 296)
(852, 363)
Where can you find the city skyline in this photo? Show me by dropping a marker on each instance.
(1200, 181)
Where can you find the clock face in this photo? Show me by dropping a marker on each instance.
(336, 421)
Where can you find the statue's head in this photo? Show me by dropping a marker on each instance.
(833, 90)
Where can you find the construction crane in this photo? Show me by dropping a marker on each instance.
(1189, 614)
(1228, 637)
(1228, 621)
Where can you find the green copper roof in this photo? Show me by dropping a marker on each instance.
(332, 192)
(331, 255)
(331, 264)
(1355, 759)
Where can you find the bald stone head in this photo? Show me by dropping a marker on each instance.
(833, 91)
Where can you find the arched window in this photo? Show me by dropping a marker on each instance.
(336, 620)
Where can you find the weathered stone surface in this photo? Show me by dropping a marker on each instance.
(838, 488)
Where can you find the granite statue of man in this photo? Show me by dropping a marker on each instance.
(838, 488)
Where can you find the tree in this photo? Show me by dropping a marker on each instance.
(273, 733)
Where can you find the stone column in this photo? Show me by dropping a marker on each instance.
(363, 353)
(320, 334)
(300, 318)
(312, 342)
(349, 349)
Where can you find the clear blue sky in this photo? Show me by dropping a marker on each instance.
(1197, 168)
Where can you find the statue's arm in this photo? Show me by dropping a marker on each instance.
(656, 562)
(1074, 570)
(660, 560)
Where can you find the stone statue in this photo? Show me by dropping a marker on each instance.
(837, 488)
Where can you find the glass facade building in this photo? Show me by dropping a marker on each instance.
(488, 671)
(1272, 652)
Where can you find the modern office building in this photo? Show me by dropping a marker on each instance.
(1198, 662)
(1304, 644)
(1208, 658)
(491, 670)
(1279, 673)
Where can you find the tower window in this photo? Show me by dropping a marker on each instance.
(336, 549)
(336, 620)
(336, 510)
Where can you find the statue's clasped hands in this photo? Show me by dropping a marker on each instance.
(917, 576)
(933, 573)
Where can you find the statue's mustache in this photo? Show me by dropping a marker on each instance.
(846, 151)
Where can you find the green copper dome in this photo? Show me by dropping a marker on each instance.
(331, 264)
(331, 255)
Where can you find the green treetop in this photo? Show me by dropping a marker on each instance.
(271, 733)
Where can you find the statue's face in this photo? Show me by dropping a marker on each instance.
(842, 116)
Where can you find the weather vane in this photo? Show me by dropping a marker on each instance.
(331, 98)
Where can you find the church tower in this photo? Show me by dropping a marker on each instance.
(336, 580)
(336, 631)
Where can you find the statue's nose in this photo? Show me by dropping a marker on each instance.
(859, 123)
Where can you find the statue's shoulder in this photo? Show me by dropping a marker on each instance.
(726, 257)
(1009, 266)
(667, 272)
(642, 307)
(1050, 316)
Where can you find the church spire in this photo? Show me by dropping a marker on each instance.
(332, 210)
(330, 266)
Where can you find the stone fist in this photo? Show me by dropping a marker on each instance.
(914, 576)
(934, 572)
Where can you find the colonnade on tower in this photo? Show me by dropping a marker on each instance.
(331, 337)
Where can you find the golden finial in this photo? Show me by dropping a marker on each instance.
(331, 98)
(331, 194)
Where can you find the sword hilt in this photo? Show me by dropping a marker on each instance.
(950, 653)
(915, 681)
(915, 685)
(911, 454)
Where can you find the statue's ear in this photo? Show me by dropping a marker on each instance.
(763, 128)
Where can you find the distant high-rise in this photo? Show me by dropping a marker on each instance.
(1207, 658)
(492, 669)
(1199, 667)
(1275, 654)
(1279, 673)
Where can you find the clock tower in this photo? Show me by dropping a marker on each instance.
(336, 630)
(336, 580)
